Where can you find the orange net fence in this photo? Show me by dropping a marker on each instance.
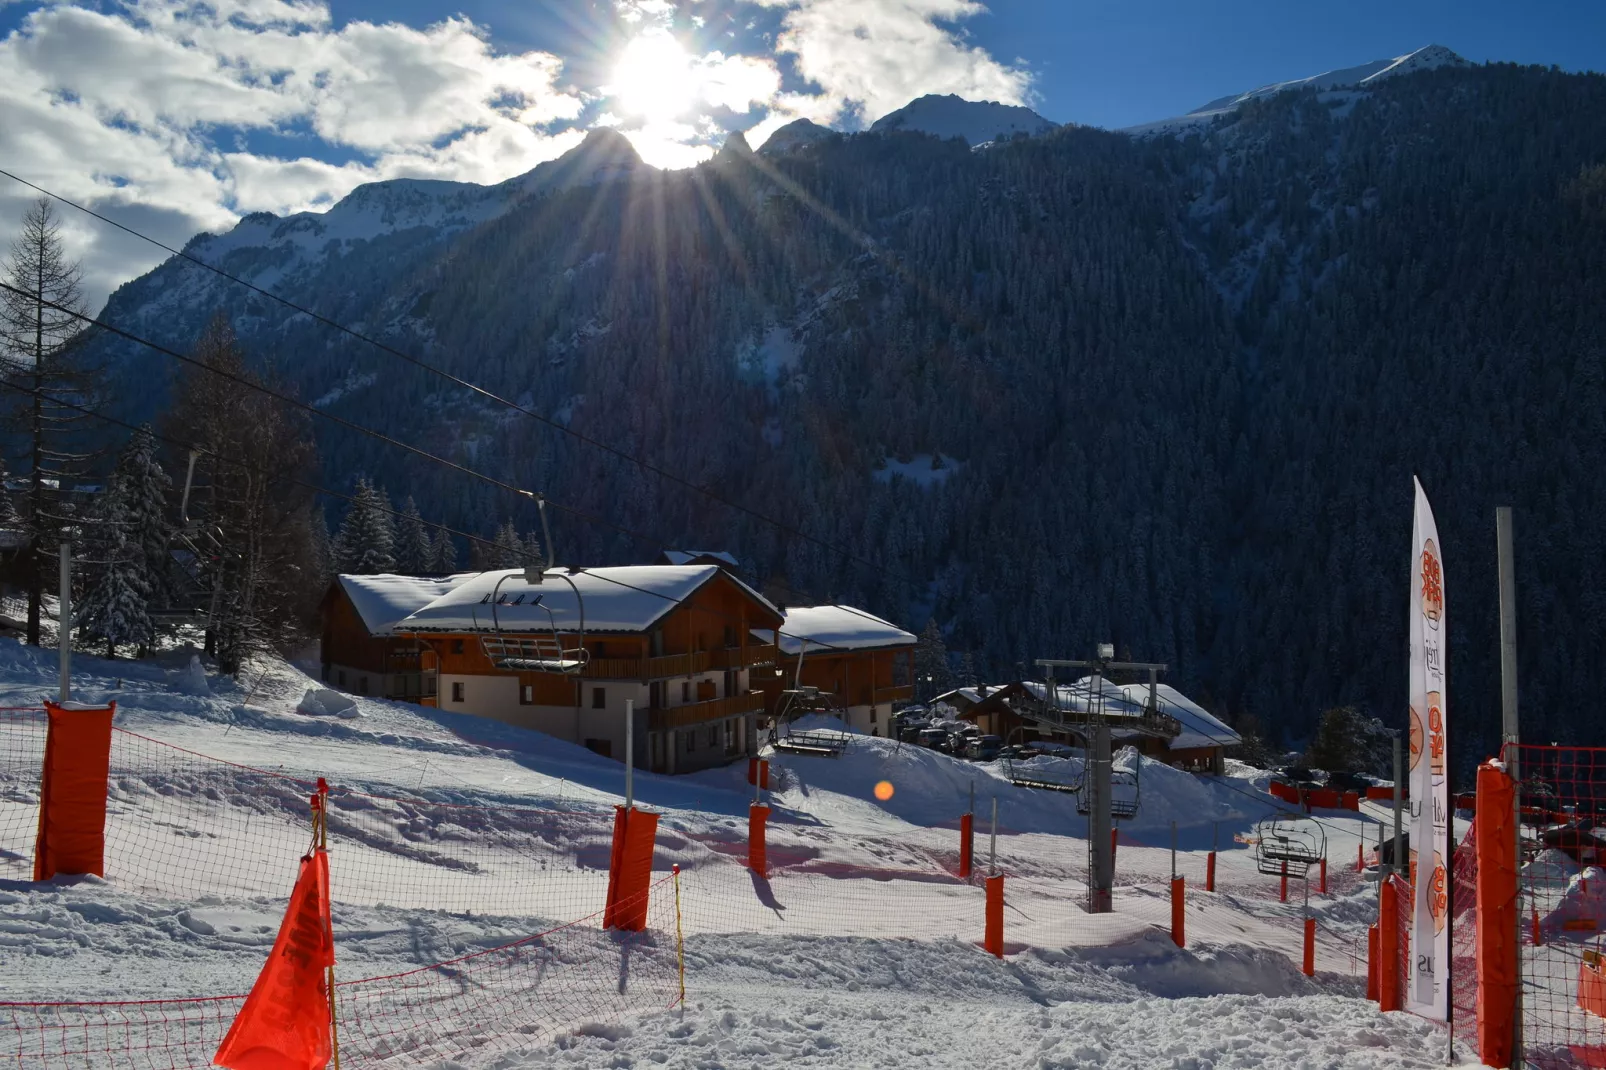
(1562, 904)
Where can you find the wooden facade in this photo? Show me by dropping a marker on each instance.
(356, 660)
(866, 682)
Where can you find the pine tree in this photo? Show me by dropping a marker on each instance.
(933, 674)
(42, 350)
(414, 554)
(128, 549)
(443, 553)
(366, 544)
(321, 551)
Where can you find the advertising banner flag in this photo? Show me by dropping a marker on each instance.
(1427, 985)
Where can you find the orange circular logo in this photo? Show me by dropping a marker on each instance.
(1432, 582)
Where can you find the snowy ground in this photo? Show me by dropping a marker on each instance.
(858, 951)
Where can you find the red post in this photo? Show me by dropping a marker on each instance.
(1179, 895)
(1496, 916)
(1388, 948)
(1371, 963)
(1210, 872)
(757, 815)
(1309, 967)
(764, 773)
(1282, 896)
(1539, 936)
(1115, 834)
(630, 869)
(1360, 857)
(993, 938)
(1324, 876)
(966, 844)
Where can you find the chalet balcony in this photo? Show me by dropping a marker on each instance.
(736, 657)
(694, 713)
(660, 668)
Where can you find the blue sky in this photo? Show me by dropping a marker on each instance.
(186, 114)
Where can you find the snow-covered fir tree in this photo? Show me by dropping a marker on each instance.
(933, 674)
(443, 553)
(320, 548)
(128, 550)
(512, 550)
(414, 553)
(366, 543)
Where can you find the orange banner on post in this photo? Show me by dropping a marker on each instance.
(1179, 897)
(72, 791)
(630, 869)
(966, 843)
(285, 1023)
(1388, 946)
(1495, 841)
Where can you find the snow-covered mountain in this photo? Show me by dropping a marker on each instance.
(1348, 77)
(977, 121)
(794, 135)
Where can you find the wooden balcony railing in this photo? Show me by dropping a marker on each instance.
(692, 713)
(732, 657)
(901, 693)
(660, 668)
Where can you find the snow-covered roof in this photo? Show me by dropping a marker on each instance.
(687, 557)
(629, 598)
(384, 599)
(1199, 727)
(973, 695)
(1080, 697)
(835, 628)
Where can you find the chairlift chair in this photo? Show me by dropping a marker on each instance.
(1125, 791)
(1288, 842)
(542, 651)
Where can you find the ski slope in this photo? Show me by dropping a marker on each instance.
(451, 836)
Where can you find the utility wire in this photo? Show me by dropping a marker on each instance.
(644, 465)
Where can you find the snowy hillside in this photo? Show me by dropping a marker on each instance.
(977, 121)
(1366, 74)
(452, 839)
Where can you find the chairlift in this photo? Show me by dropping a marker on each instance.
(1289, 843)
(1125, 792)
(542, 651)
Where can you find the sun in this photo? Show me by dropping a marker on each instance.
(656, 78)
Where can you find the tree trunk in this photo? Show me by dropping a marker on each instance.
(111, 650)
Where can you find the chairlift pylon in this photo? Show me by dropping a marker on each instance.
(542, 651)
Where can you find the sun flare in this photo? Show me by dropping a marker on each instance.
(656, 78)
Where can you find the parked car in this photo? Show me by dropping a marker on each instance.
(935, 738)
(983, 748)
(1347, 782)
(1297, 774)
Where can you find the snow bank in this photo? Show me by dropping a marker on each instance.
(1584, 901)
(321, 702)
(191, 680)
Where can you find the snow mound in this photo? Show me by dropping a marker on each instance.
(321, 702)
(1550, 866)
(976, 121)
(191, 680)
(1583, 905)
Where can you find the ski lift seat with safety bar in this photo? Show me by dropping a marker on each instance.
(1289, 840)
(542, 651)
(1124, 796)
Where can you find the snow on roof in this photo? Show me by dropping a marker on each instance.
(687, 557)
(974, 694)
(630, 598)
(384, 599)
(1199, 727)
(836, 628)
(1080, 696)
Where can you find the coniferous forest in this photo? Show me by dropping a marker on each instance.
(1162, 391)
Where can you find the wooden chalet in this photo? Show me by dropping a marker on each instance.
(360, 650)
(562, 656)
(864, 662)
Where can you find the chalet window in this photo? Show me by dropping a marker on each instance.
(691, 741)
(730, 737)
(685, 691)
(599, 698)
(457, 691)
(730, 635)
(872, 713)
(601, 650)
(655, 642)
(730, 683)
(342, 677)
(526, 694)
(457, 646)
(655, 694)
(362, 685)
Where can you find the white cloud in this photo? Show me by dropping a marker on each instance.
(874, 56)
(122, 107)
